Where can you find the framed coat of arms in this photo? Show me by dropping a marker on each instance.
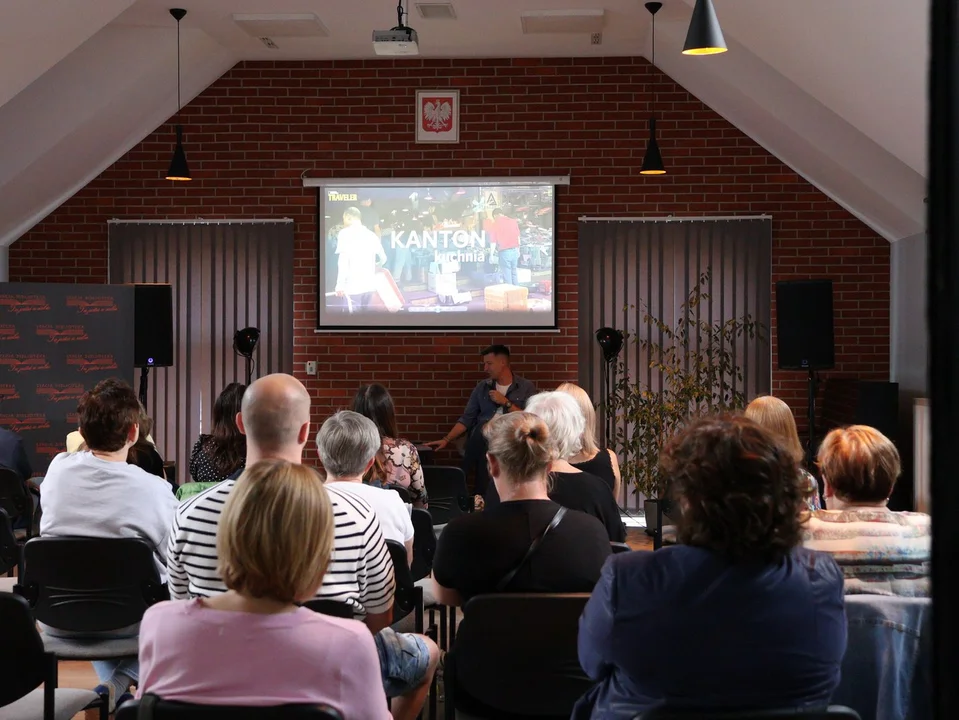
(437, 116)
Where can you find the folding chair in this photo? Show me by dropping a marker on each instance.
(446, 488)
(333, 608)
(833, 712)
(150, 707)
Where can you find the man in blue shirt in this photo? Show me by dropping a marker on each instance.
(503, 392)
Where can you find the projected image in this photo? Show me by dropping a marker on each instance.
(437, 256)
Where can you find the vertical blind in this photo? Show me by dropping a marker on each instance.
(627, 266)
(225, 276)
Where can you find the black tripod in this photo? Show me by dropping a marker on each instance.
(813, 384)
(144, 383)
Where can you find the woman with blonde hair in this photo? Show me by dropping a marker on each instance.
(274, 543)
(590, 459)
(775, 416)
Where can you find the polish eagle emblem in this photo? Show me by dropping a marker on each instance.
(437, 115)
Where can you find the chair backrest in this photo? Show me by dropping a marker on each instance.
(89, 584)
(168, 710)
(427, 456)
(333, 608)
(404, 597)
(21, 652)
(516, 652)
(887, 668)
(9, 547)
(424, 543)
(833, 712)
(447, 491)
(618, 547)
(13, 494)
(401, 491)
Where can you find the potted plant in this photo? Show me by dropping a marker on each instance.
(698, 376)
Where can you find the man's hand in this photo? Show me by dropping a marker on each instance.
(497, 397)
(438, 444)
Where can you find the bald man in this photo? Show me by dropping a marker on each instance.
(275, 417)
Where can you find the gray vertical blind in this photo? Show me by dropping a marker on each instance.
(626, 266)
(225, 276)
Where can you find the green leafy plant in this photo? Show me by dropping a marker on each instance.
(699, 376)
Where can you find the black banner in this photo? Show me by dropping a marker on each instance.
(56, 342)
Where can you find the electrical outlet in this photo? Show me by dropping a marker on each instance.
(311, 367)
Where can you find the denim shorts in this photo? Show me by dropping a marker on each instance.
(404, 660)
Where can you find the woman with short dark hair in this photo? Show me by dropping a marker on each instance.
(738, 615)
(222, 453)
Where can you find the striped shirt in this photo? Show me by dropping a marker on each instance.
(360, 572)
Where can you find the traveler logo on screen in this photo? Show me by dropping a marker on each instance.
(21, 363)
(90, 304)
(92, 363)
(49, 450)
(17, 304)
(9, 392)
(62, 333)
(9, 332)
(21, 423)
(60, 392)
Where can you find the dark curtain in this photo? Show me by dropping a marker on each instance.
(225, 276)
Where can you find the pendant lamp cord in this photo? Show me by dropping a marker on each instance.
(178, 65)
(653, 113)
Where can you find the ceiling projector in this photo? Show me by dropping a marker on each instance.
(400, 40)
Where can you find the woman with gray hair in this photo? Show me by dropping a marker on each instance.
(569, 486)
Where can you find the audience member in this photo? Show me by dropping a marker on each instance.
(221, 454)
(96, 493)
(570, 487)
(776, 416)
(275, 417)
(590, 459)
(880, 552)
(348, 444)
(144, 454)
(736, 616)
(398, 457)
(13, 456)
(274, 544)
(487, 552)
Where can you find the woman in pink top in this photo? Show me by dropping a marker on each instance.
(253, 645)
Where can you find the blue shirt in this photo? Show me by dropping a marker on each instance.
(684, 627)
(480, 409)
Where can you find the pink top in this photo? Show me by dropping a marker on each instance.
(195, 654)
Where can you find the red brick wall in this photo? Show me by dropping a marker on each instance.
(252, 133)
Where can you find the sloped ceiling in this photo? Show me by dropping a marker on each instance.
(837, 90)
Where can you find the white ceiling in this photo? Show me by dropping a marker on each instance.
(835, 89)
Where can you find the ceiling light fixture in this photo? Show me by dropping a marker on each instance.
(653, 160)
(705, 36)
(179, 170)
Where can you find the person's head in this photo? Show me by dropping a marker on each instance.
(773, 414)
(737, 488)
(495, 361)
(228, 443)
(498, 212)
(109, 416)
(275, 417)
(352, 216)
(520, 449)
(588, 441)
(275, 536)
(859, 465)
(374, 402)
(347, 443)
(563, 418)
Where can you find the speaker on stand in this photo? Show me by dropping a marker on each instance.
(805, 334)
(152, 330)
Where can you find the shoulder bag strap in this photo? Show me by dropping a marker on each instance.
(557, 519)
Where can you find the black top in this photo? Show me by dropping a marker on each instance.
(147, 458)
(580, 491)
(202, 468)
(601, 466)
(477, 550)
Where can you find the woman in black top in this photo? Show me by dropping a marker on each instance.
(590, 458)
(569, 486)
(218, 455)
(477, 551)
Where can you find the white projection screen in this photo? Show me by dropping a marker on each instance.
(437, 253)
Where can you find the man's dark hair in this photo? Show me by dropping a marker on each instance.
(738, 492)
(496, 350)
(106, 415)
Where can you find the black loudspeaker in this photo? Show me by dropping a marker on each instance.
(153, 325)
(805, 325)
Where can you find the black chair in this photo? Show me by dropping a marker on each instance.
(16, 501)
(424, 543)
(427, 455)
(515, 655)
(152, 708)
(10, 550)
(408, 596)
(26, 665)
(333, 608)
(833, 712)
(402, 492)
(89, 585)
(447, 491)
(618, 547)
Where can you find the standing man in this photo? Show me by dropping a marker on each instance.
(504, 391)
(506, 236)
(359, 250)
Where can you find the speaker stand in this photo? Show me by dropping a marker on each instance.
(144, 383)
(249, 369)
(607, 392)
(812, 386)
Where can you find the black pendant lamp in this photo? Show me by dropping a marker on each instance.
(653, 160)
(705, 36)
(179, 170)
